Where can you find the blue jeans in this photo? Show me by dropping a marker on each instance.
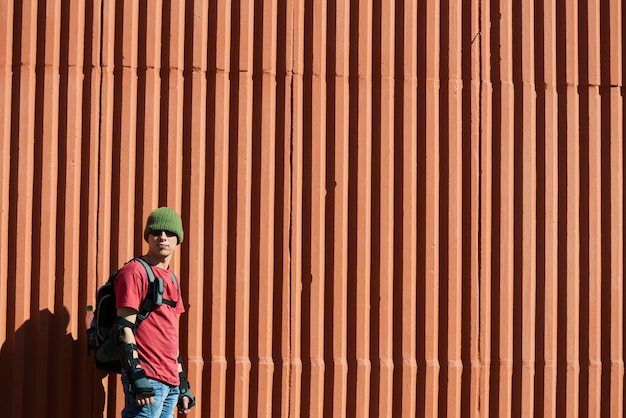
(165, 400)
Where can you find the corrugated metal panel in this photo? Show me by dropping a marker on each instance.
(391, 208)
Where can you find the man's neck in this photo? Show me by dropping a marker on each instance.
(162, 262)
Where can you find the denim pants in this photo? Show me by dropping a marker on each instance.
(165, 400)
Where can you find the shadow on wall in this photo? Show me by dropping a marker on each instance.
(47, 373)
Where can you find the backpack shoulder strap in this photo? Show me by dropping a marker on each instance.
(174, 280)
(155, 290)
(146, 305)
(147, 267)
(168, 302)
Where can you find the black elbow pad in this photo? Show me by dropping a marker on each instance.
(118, 329)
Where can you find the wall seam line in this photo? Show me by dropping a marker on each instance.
(480, 201)
(99, 138)
(291, 215)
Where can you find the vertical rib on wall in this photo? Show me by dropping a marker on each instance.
(390, 208)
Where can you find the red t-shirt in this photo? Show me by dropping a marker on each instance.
(157, 335)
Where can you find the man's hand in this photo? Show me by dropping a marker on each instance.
(183, 405)
(185, 398)
(143, 400)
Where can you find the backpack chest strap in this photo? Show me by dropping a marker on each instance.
(171, 303)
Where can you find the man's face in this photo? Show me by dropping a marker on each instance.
(162, 243)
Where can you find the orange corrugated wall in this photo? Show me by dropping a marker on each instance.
(392, 208)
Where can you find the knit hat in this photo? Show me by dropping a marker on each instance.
(164, 219)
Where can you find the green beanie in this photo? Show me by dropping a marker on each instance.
(164, 219)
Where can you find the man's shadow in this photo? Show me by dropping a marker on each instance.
(46, 372)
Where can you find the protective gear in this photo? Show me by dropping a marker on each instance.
(183, 387)
(185, 391)
(118, 329)
(140, 384)
(136, 375)
(127, 352)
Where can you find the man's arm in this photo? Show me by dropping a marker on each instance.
(126, 319)
(186, 399)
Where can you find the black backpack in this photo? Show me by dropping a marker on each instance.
(99, 338)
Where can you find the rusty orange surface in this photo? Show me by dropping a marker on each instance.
(407, 209)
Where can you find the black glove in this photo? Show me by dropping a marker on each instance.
(140, 384)
(185, 391)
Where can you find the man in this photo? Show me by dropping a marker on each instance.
(153, 378)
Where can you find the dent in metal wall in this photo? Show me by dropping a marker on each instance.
(391, 208)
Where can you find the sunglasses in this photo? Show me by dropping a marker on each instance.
(157, 233)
